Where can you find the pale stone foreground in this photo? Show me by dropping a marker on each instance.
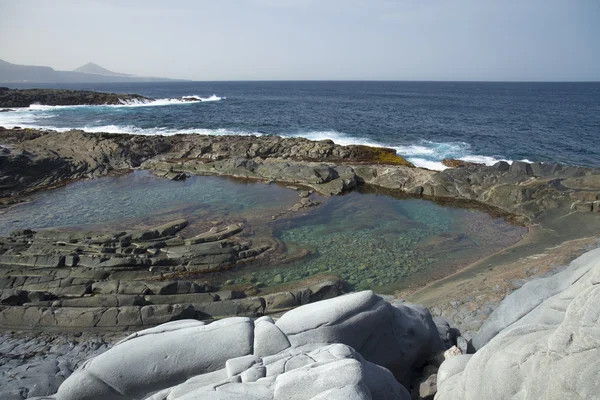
(343, 348)
(543, 342)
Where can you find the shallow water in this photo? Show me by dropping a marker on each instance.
(383, 243)
(371, 240)
(140, 198)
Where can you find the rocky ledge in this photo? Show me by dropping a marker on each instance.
(32, 160)
(65, 281)
(543, 340)
(61, 97)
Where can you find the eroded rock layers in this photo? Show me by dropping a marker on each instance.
(31, 160)
(130, 279)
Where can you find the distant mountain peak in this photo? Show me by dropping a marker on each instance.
(89, 72)
(93, 68)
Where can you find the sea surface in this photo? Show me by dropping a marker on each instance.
(424, 121)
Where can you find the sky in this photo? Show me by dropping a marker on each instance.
(456, 40)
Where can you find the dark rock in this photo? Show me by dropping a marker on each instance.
(520, 167)
(502, 166)
(61, 97)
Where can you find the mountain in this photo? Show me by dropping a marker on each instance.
(91, 68)
(88, 73)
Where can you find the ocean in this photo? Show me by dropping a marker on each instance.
(424, 121)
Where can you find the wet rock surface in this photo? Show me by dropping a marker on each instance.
(40, 159)
(61, 97)
(68, 280)
(33, 365)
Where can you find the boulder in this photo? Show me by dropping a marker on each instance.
(543, 341)
(396, 337)
(338, 348)
(171, 228)
(160, 359)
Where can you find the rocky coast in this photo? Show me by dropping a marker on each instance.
(14, 98)
(153, 282)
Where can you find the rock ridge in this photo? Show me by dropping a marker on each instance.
(31, 160)
(63, 97)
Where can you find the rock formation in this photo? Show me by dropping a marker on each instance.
(32, 160)
(62, 97)
(350, 347)
(542, 342)
(131, 279)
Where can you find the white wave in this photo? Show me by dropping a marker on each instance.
(190, 99)
(414, 150)
(134, 130)
(425, 153)
(337, 137)
(16, 118)
(487, 160)
(429, 154)
(214, 97)
(423, 163)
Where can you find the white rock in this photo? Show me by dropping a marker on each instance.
(549, 348)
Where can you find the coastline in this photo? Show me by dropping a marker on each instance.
(524, 194)
(105, 294)
(483, 284)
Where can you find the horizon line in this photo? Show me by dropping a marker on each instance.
(178, 80)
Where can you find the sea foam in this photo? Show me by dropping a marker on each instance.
(424, 153)
(189, 99)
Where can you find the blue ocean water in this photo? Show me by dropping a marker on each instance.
(423, 121)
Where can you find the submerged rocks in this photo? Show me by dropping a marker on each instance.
(346, 350)
(543, 340)
(129, 280)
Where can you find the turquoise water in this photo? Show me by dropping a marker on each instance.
(370, 240)
(381, 242)
(140, 198)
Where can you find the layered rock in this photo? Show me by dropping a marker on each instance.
(131, 279)
(62, 97)
(542, 342)
(350, 347)
(32, 160)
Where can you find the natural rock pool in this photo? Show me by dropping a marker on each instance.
(371, 240)
(140, 198)
(382, 242)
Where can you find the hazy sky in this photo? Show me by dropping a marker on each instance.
(310, 39)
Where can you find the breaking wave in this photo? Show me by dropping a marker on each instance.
(425, 153)
(190, 99)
